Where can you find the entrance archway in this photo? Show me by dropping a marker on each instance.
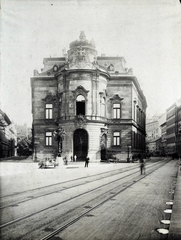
(80, 144)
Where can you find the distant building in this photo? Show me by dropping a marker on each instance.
(96, 100)
(173, 134)
(23, 131)
(178, 130)
(154, 131)
(8, 136)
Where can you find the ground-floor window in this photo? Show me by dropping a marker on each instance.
(48, 138)
(116, 138)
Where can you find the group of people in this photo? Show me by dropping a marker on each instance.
(74, 158)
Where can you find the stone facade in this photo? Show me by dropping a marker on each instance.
(8, 136)
(173, 129)
(95, 100)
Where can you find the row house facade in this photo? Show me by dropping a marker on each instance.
(156, 135)
(95, 100)
(173, 129)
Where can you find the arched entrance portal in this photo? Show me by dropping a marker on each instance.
(80, 144)
(104, 147)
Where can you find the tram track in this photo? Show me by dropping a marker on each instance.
(61, 183)
(29, 198)
(30, 192)
(109, 192)
(97, 205)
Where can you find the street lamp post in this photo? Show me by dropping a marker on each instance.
(35, 148)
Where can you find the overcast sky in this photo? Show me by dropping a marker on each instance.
(147, 33)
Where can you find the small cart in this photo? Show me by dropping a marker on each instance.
(48, 163)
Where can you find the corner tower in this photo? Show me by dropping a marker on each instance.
(82, 95)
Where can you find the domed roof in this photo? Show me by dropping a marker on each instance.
(82, 42)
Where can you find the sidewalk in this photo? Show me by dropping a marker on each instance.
(175, 225)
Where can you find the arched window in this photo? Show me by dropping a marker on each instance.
(80, 105)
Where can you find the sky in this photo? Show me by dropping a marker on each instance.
(147, 33)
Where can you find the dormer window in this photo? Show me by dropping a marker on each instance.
(110, 67)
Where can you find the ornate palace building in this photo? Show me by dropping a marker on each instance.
(94, 99)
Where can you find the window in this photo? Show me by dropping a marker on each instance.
(80, 105)
(103, 107)
(49, 111)
(116, 138)
(116, 110)
(48, 139)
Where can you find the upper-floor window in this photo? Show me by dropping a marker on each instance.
(116, 138)
(49, 111)
(116, 110)
(48, 138)
(103, 107)
(80, 105)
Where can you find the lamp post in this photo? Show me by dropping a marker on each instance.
(128, 148)
(59, 134)
(35, 148)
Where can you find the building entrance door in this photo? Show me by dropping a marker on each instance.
(80, 144)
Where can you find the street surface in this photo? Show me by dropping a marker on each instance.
(105, 201)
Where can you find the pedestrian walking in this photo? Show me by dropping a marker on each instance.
(142, 164)
(75, 158)
(86, 161)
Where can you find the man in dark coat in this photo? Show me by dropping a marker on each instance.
(86, 161)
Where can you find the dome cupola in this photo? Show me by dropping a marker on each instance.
(82, 53)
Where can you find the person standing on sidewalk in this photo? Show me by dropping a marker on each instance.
(86, 161)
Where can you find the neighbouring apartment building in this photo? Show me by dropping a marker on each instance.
(155, 140)
(8, 136)
(173, 129)
(96, 100)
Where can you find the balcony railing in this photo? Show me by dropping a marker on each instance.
(86, 117)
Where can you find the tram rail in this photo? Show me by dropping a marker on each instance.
(118, 189)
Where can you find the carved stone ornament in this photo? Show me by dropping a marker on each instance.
(55, 68)
(116, 97)
(50, 98)
(80, 90)
(80, 121)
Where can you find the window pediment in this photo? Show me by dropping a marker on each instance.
(49, 98)
(80, 90)
(116, 97)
